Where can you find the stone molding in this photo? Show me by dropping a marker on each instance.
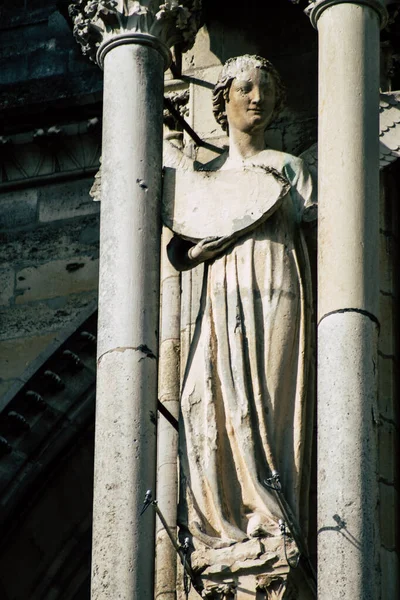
(100, 25)
(315, 9)
(48, 153)
(43, 412)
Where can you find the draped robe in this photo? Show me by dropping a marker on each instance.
(245, 404)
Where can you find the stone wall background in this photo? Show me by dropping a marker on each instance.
(48, 268)
(388, 378)
(50, 137)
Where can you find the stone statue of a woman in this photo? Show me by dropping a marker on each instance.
(244, 408)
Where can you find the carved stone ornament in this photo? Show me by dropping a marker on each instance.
(224, 591)
(50, 152)
(276, 588)
(98, 21)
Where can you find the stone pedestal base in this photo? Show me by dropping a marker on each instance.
(257, 569)
(250, 586)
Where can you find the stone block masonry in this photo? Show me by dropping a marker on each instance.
(39, 62)
(48, 268)
(18, 209)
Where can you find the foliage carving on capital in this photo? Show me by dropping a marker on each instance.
(171, 21)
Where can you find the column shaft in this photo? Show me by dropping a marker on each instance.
(126, 412)
(348, 162)
(167, 461)
(348, 287)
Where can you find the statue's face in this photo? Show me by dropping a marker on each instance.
(251, 100)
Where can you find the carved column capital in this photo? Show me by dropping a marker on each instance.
(100, 25)
(315, 9)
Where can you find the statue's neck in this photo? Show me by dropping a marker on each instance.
(243, 145)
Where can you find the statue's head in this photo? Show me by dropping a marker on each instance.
(249, 92)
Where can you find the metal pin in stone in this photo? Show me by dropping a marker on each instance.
(274, 482)
(282, 526)
(147, 501)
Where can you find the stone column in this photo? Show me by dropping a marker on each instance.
(348, 287)
(130, 40)
(169, 390)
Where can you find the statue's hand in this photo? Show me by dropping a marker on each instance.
(209, 248)
(184, 255)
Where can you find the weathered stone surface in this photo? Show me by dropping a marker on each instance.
(347, 497)
(254, 553)
(57, 278)
(126, 416)
(65, 239)
(18, 208)
(125, 451)
(43, 317)
(342, 277)
(66, 201)
(189, 200)
(201, 55)
(260, 572)
(17, 354)
(167, 436)
(7, 284)
(169, 368)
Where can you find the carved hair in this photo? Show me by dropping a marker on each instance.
(231, 69)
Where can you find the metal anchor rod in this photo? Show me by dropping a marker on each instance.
(274, 484)
(147, 502)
